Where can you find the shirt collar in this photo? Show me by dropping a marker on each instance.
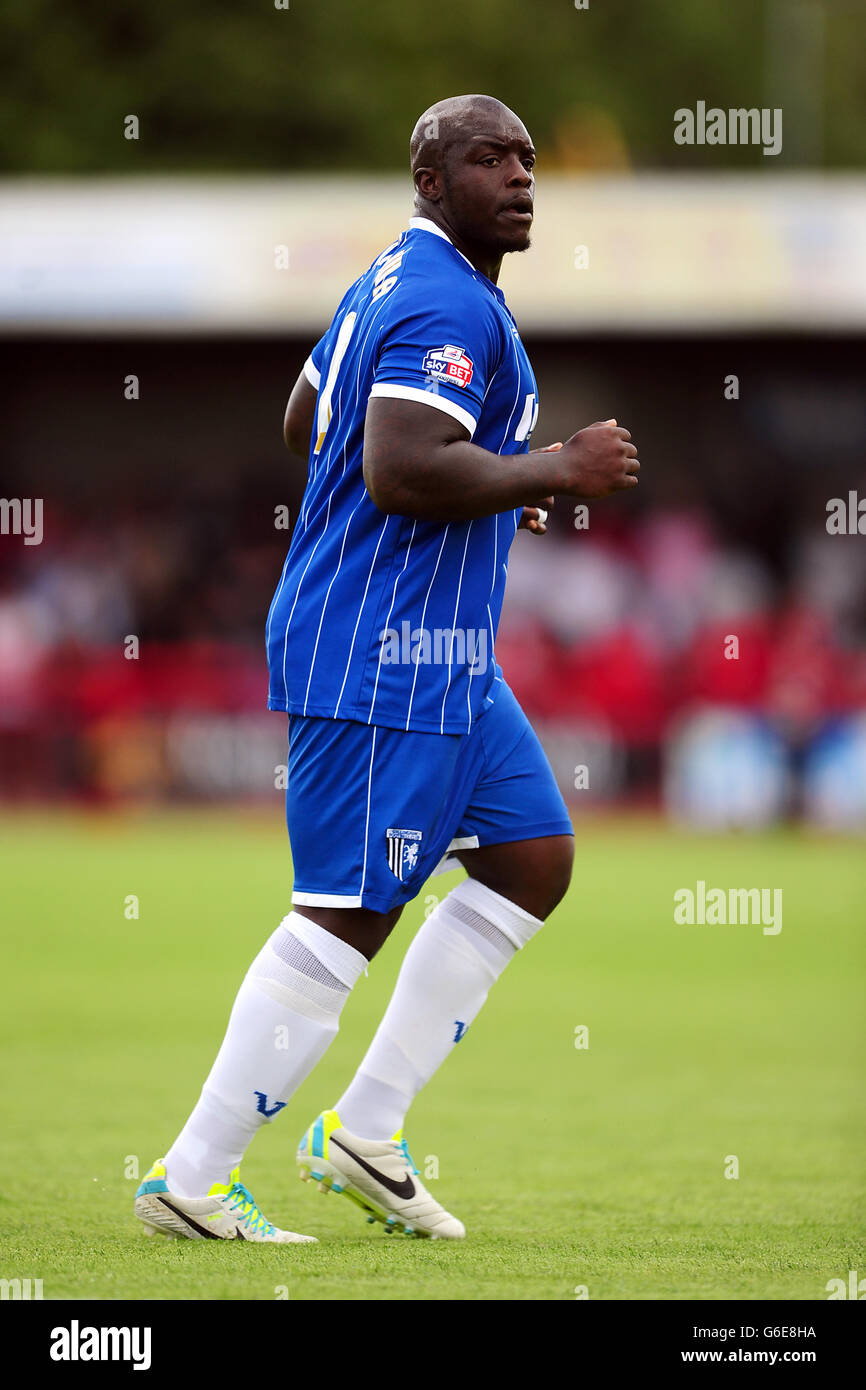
(426, 224)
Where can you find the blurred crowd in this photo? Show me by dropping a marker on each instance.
(637, 623)
(612, 636)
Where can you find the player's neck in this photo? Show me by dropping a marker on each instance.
(485, 261)
(480, 259)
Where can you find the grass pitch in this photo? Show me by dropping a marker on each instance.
(597, 1169)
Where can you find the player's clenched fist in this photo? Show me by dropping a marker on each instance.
(598, 461)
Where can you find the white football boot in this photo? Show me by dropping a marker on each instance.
(378, 1174)
(228, 1212)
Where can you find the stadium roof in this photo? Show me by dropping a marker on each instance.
(645, 253)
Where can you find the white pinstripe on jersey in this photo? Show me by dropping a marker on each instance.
(353, 573)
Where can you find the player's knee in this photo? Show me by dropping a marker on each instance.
(534, 874)
(556, 875)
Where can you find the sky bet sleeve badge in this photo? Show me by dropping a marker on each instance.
(450, 364)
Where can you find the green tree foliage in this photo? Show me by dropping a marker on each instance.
(239, 85)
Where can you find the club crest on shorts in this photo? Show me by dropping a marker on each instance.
(403, 848)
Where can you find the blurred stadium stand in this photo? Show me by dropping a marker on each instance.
(159, 512)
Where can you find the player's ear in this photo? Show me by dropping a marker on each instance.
(428, 184)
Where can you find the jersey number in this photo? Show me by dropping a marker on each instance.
(323, 418)
(527, 419)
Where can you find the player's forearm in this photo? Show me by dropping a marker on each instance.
(420, 463)
(460, 482)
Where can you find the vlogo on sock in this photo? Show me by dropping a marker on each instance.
(263, 1105)
(461, 1030)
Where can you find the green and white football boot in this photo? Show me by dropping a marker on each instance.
(228, 1212)
(378, 1175)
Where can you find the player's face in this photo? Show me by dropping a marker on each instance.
(490, 187)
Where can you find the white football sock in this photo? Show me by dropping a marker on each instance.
(284, 1018)
(459, 952)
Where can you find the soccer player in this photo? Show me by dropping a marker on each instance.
(405, 743)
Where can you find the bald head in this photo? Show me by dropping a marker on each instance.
(451, 123)
(472, 166)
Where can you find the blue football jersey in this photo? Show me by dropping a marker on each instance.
(385, 619)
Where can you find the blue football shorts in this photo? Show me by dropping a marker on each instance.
(373, 812)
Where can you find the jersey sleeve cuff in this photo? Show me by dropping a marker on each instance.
(414, 393)
(312, 373)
